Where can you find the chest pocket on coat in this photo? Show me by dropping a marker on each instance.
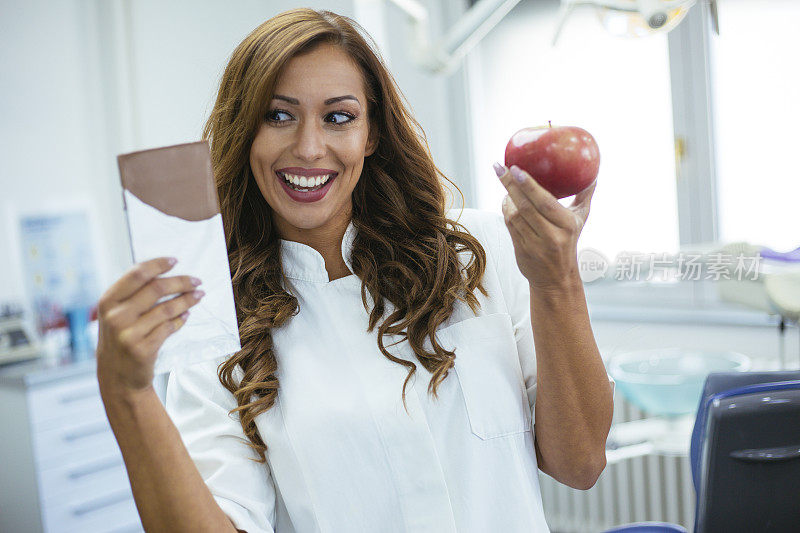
(489, 374)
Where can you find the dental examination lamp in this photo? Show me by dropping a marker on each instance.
(621, 17)
(636, 18)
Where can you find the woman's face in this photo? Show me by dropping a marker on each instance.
(316, 132)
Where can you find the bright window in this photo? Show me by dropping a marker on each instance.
(756, 83)
(616, 88)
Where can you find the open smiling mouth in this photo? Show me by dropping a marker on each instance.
(305, 184)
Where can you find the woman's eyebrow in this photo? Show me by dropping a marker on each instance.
(295, 101)
(340, 98)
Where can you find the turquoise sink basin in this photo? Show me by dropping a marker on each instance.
(669, 381)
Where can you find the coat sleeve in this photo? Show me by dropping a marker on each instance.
(517, 296)
(199, 405)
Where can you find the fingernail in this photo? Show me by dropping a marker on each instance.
(184, 315)
(198, 294)
(499, 169)
(172, 261)
(195, 281)
(517, 173)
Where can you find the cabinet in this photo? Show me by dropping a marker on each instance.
(60, 467)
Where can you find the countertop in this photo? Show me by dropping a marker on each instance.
(37, 372)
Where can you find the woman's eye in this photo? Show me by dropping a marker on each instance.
(277, 115)
(336, 118)
(339, 118)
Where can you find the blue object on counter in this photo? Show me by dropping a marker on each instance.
(769, 253)
(78, 320)
(670, 381)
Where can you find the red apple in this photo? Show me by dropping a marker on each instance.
(562, 159)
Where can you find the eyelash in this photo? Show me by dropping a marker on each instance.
(272, 113)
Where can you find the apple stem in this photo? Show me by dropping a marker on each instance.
(549, 123)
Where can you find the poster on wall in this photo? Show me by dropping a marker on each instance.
(58, 262)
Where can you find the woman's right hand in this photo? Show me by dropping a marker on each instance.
(132, 328)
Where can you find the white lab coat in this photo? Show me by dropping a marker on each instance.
(343, 455)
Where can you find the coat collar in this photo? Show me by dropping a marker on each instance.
(302, 262)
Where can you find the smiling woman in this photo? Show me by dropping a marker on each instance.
(387, 378)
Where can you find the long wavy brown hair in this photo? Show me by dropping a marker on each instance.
(405, 250)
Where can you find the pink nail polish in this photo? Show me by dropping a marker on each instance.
(499, 169)
(517, 173)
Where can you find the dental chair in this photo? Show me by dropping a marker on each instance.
(744, 455)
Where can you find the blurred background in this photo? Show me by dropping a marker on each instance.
(697, 130)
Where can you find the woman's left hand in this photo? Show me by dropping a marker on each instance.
(545, 233)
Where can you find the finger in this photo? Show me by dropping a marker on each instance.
(146, 297)
(166, 311)
(582, 202)
(525, 208)
(516, 236)
(129, 311)
(134, 279)
(523, 238)
(545, 203)
(514, 218)
(156, 338)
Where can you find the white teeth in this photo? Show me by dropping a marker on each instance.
(303, 181)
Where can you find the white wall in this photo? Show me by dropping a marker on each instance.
(48, 116)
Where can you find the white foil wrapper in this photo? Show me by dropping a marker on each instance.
(178, 180)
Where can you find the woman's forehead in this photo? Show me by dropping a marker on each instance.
(325, 72)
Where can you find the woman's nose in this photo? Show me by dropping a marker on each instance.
(310, 144)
